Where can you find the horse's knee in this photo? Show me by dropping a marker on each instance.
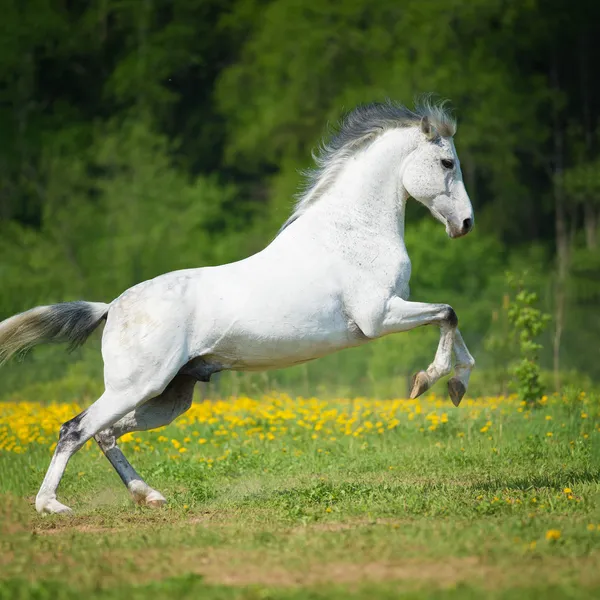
(70, 434)
(450, 317)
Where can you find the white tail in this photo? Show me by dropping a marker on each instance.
(70, 322)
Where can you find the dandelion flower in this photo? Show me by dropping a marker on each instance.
(552, 535)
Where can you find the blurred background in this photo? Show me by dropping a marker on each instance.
(143, 136)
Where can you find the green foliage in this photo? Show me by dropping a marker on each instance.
(147, 217)
(141, 138)
(319, 60)
(528, 322)
(500, 347)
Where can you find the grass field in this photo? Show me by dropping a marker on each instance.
(299, 499)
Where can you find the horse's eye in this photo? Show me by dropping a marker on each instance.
(447, 163)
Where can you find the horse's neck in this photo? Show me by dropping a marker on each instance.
(367, 198)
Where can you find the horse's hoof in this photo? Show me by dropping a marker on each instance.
(419, 384)
(144, 495)
(457, 390)
(156, 503)
(155, 499)
(53, 507)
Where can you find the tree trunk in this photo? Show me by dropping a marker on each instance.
(590, 212)
(590, 217)
(562, 239)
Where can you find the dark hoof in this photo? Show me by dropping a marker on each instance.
(419, 384)
(456, 390)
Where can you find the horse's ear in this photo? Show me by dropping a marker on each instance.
(427, 128)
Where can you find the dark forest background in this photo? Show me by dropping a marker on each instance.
(143, 136)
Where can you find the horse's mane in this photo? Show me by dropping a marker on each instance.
(358, 129)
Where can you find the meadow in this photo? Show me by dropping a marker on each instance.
(280, 497)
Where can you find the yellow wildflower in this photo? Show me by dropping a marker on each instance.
(552, 535)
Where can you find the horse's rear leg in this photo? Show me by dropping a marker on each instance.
(159, 411)
(108, 409)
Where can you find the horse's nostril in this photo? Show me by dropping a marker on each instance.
(467, 224)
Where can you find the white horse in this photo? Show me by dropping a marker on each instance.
(335, 276)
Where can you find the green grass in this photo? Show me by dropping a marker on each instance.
(409, 513)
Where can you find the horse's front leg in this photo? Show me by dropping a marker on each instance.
(401, 315)
(457, 385)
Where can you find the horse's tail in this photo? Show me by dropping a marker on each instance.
(66, 322)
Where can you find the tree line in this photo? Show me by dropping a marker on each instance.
(142, 136)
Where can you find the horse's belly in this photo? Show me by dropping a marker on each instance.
(284, 353)
(268, 344)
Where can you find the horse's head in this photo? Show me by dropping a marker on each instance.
(432, 175)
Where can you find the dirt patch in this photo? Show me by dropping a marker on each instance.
(6, 558)
(79, 529)
(93, 567)
(148, 519)
(350, 525)
(9, 527)
(239, 568)
(242, 568)
(216, 517)
(14, 515)
(445, 574)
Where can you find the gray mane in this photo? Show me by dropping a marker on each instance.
(358, 129)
